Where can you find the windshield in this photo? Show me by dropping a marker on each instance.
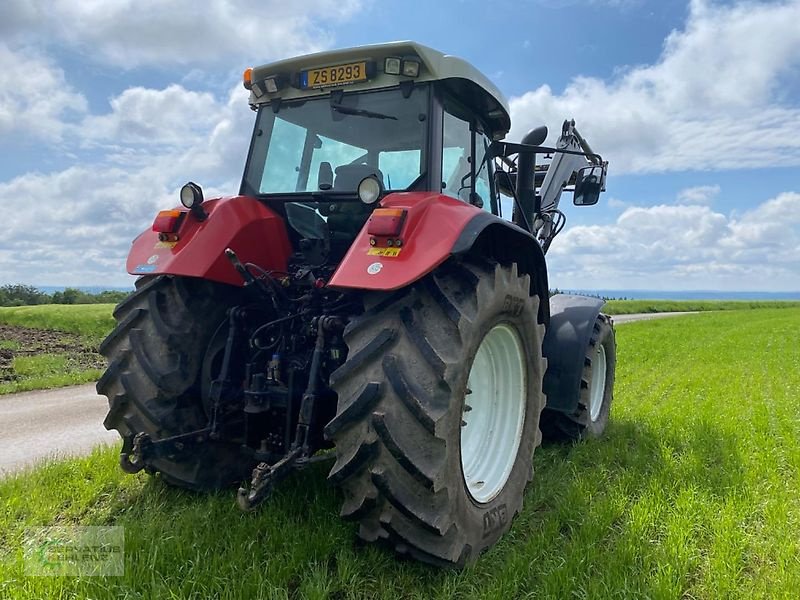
(327, 145)
(331, 143)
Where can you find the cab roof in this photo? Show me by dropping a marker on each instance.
(466, 82)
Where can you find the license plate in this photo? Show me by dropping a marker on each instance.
(329, 76)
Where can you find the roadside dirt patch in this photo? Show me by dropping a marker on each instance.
(33, 342)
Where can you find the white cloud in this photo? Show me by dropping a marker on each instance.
(34, 96)
(74, 227)
(173, 115)
(685, 247)
(151, 32)
(772, 230)
(701, 194)
(713, 100)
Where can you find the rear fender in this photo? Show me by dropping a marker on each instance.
(256, 233)
(490, 236)
(438, 227)
(432, 225)
(572, 320)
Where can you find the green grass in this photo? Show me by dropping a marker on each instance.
(92, 321)
(693, 493)
(627, 307)
(46, 371)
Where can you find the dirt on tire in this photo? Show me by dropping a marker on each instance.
(26, 341)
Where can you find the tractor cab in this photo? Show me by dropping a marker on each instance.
(337, 131)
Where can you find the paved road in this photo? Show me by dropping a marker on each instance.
(38, 425)
(69, 421)
(619, 319)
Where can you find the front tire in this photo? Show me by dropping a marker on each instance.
(418, 361)
(154, 380)
(599, 373)
(590, 418)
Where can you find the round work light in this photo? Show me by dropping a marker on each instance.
(191, 195)
(370, 189)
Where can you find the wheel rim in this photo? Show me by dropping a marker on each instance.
(598, 389)
(494, 413)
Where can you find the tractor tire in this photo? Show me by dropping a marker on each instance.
(412, 471)
(156, 362)
(597, 390)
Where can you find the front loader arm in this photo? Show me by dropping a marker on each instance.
(563, 167)
(560, 173)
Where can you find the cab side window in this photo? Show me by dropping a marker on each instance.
(464, 152)
(483, 184)
(456, 144)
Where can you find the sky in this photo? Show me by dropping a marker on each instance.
(108, 107)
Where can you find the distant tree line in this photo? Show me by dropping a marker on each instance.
(25, 295)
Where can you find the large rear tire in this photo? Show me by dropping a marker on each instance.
(590, 418)
(154, 380)
(411, 469)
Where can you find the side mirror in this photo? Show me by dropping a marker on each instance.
(588, 185)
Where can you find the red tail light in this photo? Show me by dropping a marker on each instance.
(168, 221)
(386, 221)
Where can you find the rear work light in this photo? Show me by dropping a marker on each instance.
(386, 221)
(168, 221)
(410, 68)
(391, 66)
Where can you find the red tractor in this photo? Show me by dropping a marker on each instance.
(363, 294)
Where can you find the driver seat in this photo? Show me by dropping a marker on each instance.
(349, 176)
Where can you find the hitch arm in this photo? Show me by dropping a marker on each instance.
(146, 449)
(264, 478)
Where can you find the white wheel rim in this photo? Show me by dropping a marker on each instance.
(598, 389)
(494, 413)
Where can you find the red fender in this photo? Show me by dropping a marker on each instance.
(255, 232)
(433, 224)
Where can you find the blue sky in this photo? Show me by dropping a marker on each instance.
(107, 108)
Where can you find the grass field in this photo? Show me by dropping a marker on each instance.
(42, 359)
(693, 493)
(92, 321)
(43, 368)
